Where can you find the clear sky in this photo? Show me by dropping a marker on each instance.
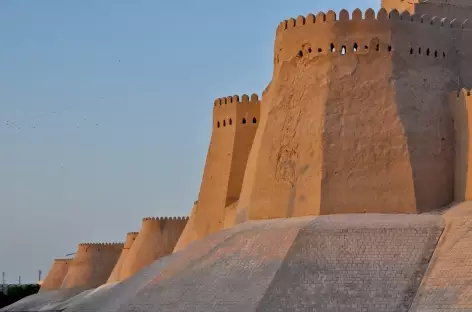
(105, 111)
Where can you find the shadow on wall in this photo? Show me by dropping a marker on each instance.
(460, 114)
(425, 73)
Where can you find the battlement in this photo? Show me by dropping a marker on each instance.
(364, 33)
(95, 244)
(164, 219)
(63, 259)
(233, 110)
(369, 15)
(235, 99)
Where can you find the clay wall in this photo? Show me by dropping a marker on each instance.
(400, 5)
(92, 265)
(115, 275)
(56, 274)
(235, 121)
(189, 231)
(450, 11)
(157, 238)
(357, 119)
(460, 103)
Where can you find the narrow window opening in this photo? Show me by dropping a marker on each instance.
(332, 48)
(427, 52)
(230, 121)
(244, 121)
(300, 54)
(366, 47)
(411, 51)
(419, 50)
(377, 48)
(444, 54)
(389, 48)
(218, 125)
(355, 47)
(320, 50)
(343, 50)
(309, 50)
(436, 54)
(254, 120)
(224, 123)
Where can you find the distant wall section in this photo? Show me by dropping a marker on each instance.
(56, 274)
(115, 275)
(235, 121)
(92, 265)
(157, 238)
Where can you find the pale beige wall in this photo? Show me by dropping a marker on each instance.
(92, 265)
(115, 275)
(460, 103)
(363, 132)
(56, 274)
(157, 238)
(230, 144)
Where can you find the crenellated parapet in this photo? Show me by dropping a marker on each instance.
(334, 34)
(232, 111)
(164, 218)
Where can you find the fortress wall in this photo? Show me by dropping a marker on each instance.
(230, 215)
(56, 274)
(92, 265)
(115, 275)
(188, 233)
(460, 103)
(345, 129)
(427, 45)
(235, 122)
(156, 239)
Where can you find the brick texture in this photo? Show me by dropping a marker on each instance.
(447, 285)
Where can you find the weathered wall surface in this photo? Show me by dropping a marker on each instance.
(115, 275)
(355, 117)
(235, 122)
(188, 233)
(92, 265)
(460, 103)
(446, 286)
(329, 263)
(157, 238)
(230, 215)
(56, 274)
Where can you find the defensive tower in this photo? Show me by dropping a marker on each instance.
(461, 106)
(115, 275)
(56, 274)
(235, 121)
(92, 265)
(452, 9)
(358, 120)
(157, 238)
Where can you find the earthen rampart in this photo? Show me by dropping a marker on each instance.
(235, 121)
(157, 238)
(56, 274)
(92, 265)
(115, 275)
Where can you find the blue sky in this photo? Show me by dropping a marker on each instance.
(105, 111)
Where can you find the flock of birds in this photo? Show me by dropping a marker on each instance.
(15, 125)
